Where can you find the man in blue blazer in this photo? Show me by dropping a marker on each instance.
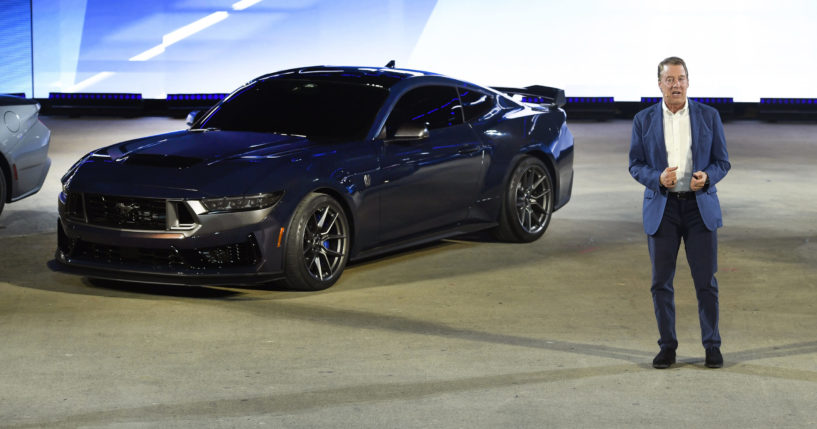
(678, 152)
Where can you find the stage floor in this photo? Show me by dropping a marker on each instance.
(460, 334)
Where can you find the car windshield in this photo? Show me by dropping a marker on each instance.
(313, 108)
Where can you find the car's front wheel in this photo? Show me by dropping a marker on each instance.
(317, 243)
(527, 203)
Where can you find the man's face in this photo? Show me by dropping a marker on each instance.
(674, 84)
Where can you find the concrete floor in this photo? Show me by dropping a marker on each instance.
(460, 334)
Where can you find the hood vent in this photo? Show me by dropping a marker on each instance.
(168, 161)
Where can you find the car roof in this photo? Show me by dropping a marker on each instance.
(381, 76)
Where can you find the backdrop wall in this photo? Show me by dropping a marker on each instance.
(744, 49)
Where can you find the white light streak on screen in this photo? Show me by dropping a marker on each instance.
(91, 81)
(243, 4)
(181, 34)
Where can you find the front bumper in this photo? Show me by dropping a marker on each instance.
(178, 279)
(240, 248)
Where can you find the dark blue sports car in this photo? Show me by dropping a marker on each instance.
(299, 171)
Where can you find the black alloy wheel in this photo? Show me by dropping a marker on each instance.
(317, 244)
(527, 204)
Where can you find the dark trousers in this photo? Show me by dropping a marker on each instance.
(682, 220)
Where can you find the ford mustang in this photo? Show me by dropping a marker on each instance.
(298, 172)
(24, 144)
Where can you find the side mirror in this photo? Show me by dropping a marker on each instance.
(410, 131)
(191, 117)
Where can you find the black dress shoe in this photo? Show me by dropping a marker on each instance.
(714, 359)
(664, 359)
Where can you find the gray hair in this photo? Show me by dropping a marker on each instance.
(675, 61)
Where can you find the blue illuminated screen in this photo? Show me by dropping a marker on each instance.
(744, 50)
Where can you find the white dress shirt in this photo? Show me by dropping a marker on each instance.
(678, 140)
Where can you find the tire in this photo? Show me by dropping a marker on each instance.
(317, 244)
(2, 190)
(527, 203)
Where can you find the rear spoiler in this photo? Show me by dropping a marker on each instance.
(537, 94)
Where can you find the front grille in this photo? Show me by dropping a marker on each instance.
(120, 255)
(243, 254)
(148, 214)
(233, 255)
(126, 212)
(74, 207)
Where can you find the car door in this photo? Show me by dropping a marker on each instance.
(427, 182)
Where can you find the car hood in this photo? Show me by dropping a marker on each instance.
(192, 164)
(187, 148)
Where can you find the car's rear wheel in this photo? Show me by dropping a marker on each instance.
(527, 204)
(317, 243)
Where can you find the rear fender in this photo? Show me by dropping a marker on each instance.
(557, 153)
(6, 172)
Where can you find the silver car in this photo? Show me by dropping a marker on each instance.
(24, 143)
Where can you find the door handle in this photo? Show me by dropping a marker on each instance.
(469, 149)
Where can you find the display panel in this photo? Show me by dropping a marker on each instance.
(741, 49)
(192, 46)
(15, 44)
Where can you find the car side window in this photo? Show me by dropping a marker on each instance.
(476, 104)
(433, 106)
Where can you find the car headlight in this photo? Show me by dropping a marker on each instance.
(241, 203)
(75, 166)
(64, 193)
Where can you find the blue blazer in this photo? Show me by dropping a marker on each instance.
(648, 159)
